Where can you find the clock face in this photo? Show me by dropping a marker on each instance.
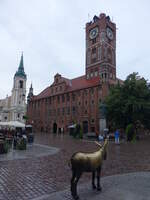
(93, 33)
(109, 33)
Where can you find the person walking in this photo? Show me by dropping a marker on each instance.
(117, 137)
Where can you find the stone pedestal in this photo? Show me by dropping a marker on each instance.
(102, 125)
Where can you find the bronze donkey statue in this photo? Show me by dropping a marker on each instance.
(87, 162)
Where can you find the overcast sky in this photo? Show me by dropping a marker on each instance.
(51, 35)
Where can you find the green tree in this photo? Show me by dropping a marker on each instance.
(129, 102)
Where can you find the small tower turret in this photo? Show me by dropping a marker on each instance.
(30, 94)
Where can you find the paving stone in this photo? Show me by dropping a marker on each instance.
(45, 171)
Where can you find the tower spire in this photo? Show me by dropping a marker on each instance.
(20, 71)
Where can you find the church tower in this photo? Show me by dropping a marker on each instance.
(18, 104)
(101, 48)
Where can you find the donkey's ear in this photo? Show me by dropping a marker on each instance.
(98, 144)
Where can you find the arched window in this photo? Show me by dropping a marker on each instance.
(20, 84)
(109, 55)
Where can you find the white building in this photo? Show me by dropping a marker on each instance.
(13, 108)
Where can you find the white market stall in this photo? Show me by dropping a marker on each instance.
(14, 124)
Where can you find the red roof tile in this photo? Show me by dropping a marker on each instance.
(73, 84)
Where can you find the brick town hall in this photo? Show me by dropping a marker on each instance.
(71, 101)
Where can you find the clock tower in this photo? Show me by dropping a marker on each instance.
(101, 48)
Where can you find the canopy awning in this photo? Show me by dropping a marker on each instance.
(12, 124)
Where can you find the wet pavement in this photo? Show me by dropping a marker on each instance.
(33, 150)
(40, 176)
(133, 186)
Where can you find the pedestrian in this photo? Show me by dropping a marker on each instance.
(117, 136)
(100, 138)
(15, 140)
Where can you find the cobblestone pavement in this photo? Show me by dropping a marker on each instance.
(38, 177)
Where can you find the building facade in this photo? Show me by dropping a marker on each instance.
(71, 101)
(13, 108)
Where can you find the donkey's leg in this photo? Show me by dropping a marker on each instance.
(78, 175)
(99, 188)
(93, 180)
(72, 181)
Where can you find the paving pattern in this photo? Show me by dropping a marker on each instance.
(37, 176)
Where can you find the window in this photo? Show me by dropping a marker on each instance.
(73, 109)
(50, 100)
(58, 111)
(92, 90)
(94, 41)
(92, 129)
(88, 57)
(68, 110)
(60, 88)
(93, 60)
(58, 99)
(20, 84)
(85, 92)
(63, 111)
(96, 73)
(94, 50)
(63, 98)
(92, 121)
(73, 96)
(68, 97)
(49, 112)
(99, 53)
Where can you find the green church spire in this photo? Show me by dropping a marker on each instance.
(20, 71)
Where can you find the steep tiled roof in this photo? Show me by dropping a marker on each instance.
(81, 83)
(72, 85)
(44, 93)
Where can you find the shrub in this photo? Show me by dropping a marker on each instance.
(130, 132)
(80, 134)
(21, 145)
(4, 147)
